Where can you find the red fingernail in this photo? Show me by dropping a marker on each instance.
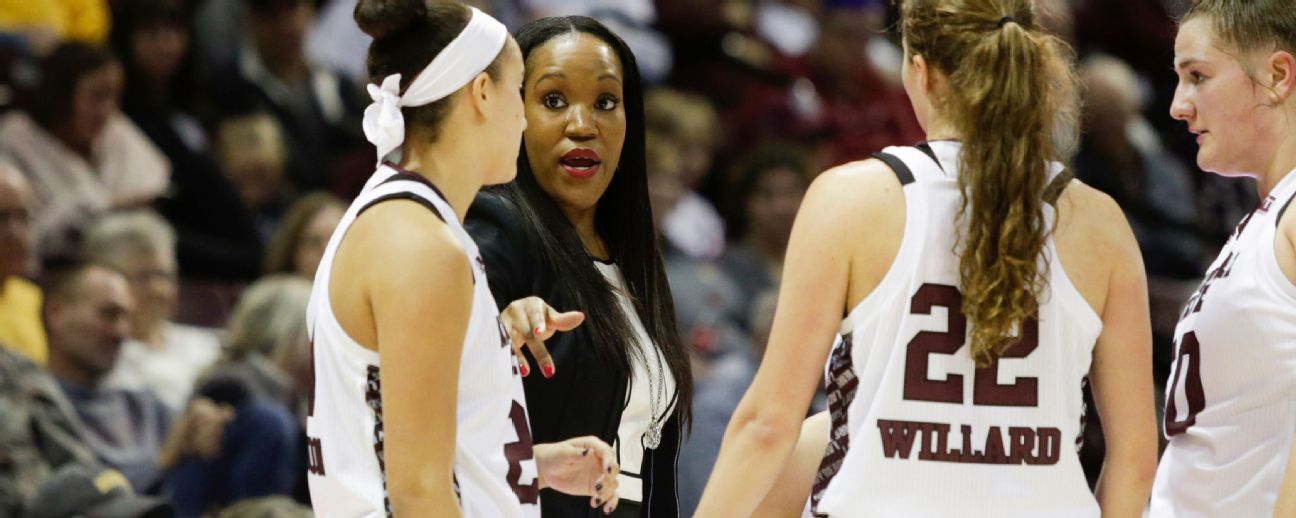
(525, 370)
(548, 370)
(537, 331)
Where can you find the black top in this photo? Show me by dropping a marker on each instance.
(587, 393)
(216, 234)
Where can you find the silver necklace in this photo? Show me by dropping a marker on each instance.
(652, 437)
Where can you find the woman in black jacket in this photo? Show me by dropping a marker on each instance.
(575, 229)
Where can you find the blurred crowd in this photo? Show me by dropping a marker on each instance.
(171, 170)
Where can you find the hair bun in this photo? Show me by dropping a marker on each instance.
(383, 18)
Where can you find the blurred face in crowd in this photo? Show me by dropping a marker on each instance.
(253, 154)
(665, 180)
(773, 203)
(154, 287)
(15, 222)
(1111, 103)
(314, 238)
(88, 325)
(576, 124)
(280, 30)
(157, 50)
(1231, 113)
(94, 101)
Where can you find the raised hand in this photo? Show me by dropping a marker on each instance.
(531, 321)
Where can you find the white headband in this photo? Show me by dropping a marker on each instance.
(469, 54)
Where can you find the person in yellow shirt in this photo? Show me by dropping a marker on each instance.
(20, 300)
(46, 22)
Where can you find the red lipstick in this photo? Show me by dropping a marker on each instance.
(581, 163)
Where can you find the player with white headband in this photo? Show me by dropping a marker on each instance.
(417, 407)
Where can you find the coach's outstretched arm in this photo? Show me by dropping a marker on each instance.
(856, 206)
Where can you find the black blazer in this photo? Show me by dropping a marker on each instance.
(586, 394)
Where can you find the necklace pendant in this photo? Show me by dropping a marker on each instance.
(652, 439)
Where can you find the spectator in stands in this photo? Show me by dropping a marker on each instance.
(268, 352)
(764, 195)
(1122, 156)
(265, 375)
(665, 184)
(39, 431)
(318, 109)
(87, 315)
(80, 153)
(688, 123)
(20, 300)
(840, 95)
(86, 490)
(298, 243)
(159, 356)
(254, 153)
(211, 454)
(41, 24)
(166, 98)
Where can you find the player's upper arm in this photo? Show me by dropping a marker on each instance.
(420, 289)
(844, 228)
(1122, 364)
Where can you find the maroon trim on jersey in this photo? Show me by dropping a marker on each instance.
(404, 195)
(842, 384)
(373, 397)
(403, 174)
(897, 166)
(1278, 218)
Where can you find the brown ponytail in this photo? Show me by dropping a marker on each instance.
(1009, 86)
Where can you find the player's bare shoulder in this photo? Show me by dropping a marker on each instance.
(855, 193)
(1094, 241)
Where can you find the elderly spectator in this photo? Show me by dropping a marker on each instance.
(265, 376)
(20, 300)
(80, 153)
(269, 353)
(88, 317)
(212, 454)
(160, 356)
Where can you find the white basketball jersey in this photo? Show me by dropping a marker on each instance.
(917, 429)
(1230, 411)
(494, 472)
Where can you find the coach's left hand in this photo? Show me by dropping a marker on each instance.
(584, 466)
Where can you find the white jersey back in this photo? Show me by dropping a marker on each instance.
(495, 474)
(917, 429)
(1230, 409)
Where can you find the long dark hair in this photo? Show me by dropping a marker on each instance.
(185, 90)
(623, 219)
(52, 104)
